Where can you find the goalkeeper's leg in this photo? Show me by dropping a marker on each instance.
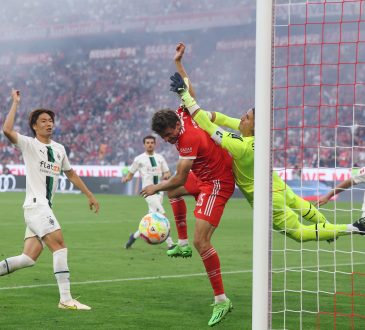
(306, 210)
(317, 232)
(287, 222)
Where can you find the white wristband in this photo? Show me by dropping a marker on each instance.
(193, 108)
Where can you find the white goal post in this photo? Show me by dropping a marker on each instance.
(261, 299)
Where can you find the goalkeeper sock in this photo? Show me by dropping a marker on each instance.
(212, 266)
(327, 231)
(12, 264)
(179, 209)
(318, 232)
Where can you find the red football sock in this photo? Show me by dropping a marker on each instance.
(213, 267)
(179, 208)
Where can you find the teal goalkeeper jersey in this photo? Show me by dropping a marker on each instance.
(241, 148)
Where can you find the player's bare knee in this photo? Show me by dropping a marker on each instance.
(201, 245)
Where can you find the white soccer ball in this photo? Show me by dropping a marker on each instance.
(154, 228)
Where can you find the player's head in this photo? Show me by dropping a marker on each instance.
(149, 143)
(247, 123)
(41, 122)
(166, 123)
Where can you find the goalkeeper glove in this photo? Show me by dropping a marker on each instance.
(181, 86)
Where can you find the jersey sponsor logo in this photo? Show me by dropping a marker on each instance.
(42, 151)
(7, 182)
(186, 150)
(49, 168)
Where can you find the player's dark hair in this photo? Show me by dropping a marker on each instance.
(163, 119)
(33, 117)
(149, 137)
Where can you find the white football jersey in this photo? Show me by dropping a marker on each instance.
(150, 167)
(43, 166)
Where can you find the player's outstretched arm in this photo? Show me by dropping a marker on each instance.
(77, 181)
(8, 127)
(180, 50)
(338, 189)
(226, 121)
(182, 171)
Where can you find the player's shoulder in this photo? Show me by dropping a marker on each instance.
(59, 149)
(160, 157)
(25, 137)
(57, 145)
(140, 156)
(22, 141)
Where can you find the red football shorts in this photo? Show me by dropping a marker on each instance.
(211, 197)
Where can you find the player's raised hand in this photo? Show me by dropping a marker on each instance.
(181, 86)
(177, 84)
(15, 94)
(180, 49)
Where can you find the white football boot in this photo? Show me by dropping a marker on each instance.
(74, 305)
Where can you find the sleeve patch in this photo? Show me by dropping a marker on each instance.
(217, 136)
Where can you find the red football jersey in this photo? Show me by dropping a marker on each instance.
(211, 162)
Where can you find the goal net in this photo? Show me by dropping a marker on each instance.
(317, 141)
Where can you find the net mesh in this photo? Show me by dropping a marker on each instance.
(318, 130)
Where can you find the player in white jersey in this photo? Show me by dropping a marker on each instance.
(353, 181)
(44, 160)
(152, 168)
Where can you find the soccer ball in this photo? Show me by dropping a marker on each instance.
(154, 228)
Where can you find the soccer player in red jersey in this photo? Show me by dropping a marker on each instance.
(204, 170)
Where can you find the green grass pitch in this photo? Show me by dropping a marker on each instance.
(142, 288)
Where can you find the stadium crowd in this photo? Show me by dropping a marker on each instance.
(104, 106)
(30, 13)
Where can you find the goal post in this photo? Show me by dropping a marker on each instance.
(261, 280)
(309, 124)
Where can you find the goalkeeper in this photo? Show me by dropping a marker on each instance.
(286, 204)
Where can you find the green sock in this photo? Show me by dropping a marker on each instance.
(317, 232)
